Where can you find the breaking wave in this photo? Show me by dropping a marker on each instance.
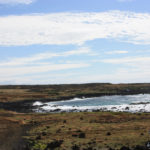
(116, 103)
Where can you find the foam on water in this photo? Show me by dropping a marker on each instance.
(117, 103)
(37, 103)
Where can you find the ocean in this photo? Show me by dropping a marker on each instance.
(116, 103)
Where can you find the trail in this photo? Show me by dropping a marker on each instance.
(11, 133)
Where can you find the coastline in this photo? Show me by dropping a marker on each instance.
(27, 106)
(82, 130)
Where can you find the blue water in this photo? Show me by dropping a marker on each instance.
(130, 103)
(105, 100)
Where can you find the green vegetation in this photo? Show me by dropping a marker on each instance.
(67, 131)
(96, 130)
(58, 92)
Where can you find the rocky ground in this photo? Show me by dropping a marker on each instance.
(74, 131)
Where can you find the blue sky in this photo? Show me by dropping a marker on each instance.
(74, 41)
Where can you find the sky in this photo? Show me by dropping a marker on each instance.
(74, 41)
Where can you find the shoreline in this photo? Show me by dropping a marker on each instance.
(20, 98)
(26, 106)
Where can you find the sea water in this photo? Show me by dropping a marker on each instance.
(127, 103)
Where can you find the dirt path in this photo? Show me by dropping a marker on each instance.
(10, 134)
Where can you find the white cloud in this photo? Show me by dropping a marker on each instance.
(15, 68)
(124, 75)
(43, 56)
(117, 52)
(125, 70)
(132, 69)
(34, 69)
(74, 28)
(47, 78)
(119, 76)
(134, 61)
(16, 1)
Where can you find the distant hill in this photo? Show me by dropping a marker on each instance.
(13, 93)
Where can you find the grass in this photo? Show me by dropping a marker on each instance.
(101, 130)
(85, 130)
(56, 92)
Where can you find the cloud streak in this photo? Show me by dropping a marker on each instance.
(34, 69)
(40, 63)
(117, 52)
(44, 56)
(127, 70)
(132, 61)
(16, 1)
(74, 28)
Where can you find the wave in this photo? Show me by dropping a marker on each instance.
(114, 108)
(116, 103)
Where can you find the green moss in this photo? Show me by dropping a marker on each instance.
(39, 146)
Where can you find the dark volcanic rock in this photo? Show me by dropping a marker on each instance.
(138, 147)
(108, 133)
(44, 133)
(74, 135)
(127, 108)
(75, 147)
(54, 144)
(124, 148)
(64, 121)
(111, 149)
(38, 137)
(82, 135)
(79, 134)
